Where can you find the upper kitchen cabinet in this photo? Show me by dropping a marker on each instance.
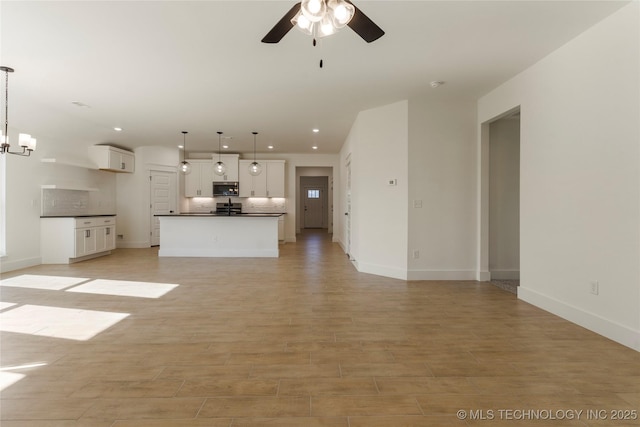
(270, 182)
(231, 162)
(199, 183)
(112, 159)
(275, 178)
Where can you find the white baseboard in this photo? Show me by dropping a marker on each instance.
(483, 276)
(381, 270)
(441, 275)
(607, 328)
(505, 274)
(132, 245)
(6, 266)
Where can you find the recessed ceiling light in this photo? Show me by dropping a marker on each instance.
(436, 83)
(316, 130)
(225, 146)
(117, 129)
(180, 146)
(270, 147)
(315, 147)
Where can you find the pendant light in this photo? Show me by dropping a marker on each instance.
(255, 168)
(184, 166)
(25, 141)
(219, 168)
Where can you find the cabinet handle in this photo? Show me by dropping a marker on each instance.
(108, 230)
(87, 233)
(122, 166)
(87, 222)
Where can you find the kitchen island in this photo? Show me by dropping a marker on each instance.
(219, 235)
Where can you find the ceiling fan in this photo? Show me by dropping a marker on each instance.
(321, 18)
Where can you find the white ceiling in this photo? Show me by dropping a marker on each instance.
(156, 68)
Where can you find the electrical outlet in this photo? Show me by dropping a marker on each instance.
(416, 254)
(594, 287)
(417, 203)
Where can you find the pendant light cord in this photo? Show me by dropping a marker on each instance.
(254, 146)
(6, 105)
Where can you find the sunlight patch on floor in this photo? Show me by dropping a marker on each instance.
(55, 322)
(4, 305)
(54, 283)
(124, 288)
(9, 378)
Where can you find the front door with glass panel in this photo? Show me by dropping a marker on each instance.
(313, 207)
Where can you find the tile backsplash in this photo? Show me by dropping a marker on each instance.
(65, 202)
(249, 205)
(62, 202)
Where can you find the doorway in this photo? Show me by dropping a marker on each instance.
(500, 201)
(163, 191)
(314, 201)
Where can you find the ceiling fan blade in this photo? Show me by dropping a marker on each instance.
(282, 27)
(364, 27)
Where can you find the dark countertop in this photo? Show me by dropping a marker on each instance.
(241, 215)
(75, 216)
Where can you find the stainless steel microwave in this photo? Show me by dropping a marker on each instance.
(229, 188)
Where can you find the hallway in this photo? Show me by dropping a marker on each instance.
(301, 340)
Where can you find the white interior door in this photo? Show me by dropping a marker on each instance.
(314, 207)
(163, 200)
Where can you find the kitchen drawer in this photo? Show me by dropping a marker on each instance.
(86, 222)
(94, 221)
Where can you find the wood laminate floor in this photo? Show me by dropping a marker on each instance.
(132, 340)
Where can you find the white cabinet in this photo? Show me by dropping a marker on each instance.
(199, 183)
(68, 239)
(281, 228)
(231, 162)
(270, 182)
(112, 158)
(275, 178)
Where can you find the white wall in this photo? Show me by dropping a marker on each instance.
(442, 176)
(504, 198)
(378, 144)
(24, 177)
(580, 176)
(134, 197)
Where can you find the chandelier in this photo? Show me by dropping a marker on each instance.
(321, 18)
(25, 141)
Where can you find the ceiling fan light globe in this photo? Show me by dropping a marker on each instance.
(342, 13)
(326, 27)
(303, 24)
(313, 10)
(219, 168)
